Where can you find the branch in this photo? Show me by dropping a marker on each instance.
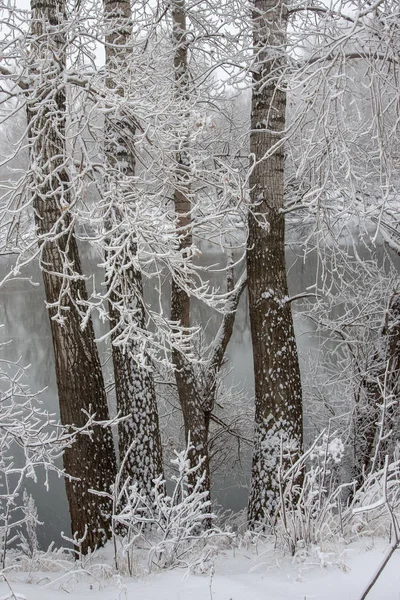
(333, 13)
(225, 330)
(231, 431)
(396, 541)
(348, 55)
(300, 296)
(7, 73)
(320, 9)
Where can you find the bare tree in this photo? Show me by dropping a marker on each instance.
(196, 384)
(195, 414)
(278, 396)
(90, 461)
(342, 166)
(134, 384)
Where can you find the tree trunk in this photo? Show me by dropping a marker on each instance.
(90, 460)
(134, 383)
(196, 390)
(195, 414)
(278, 396)
(376, 422)
(364, 425)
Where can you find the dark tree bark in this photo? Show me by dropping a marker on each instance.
(195, 415)
(196, 390)
(90, 460)
(376, 420)
(364, 425)
(134, 383)
(278, 395)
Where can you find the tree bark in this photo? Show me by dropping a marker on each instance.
(196, 390)
(90, 461)
(195, 414)
(376, 422)
(278, 395)
(134, 383)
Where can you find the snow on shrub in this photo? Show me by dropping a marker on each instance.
(177, 529)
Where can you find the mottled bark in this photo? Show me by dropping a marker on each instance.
(90, 460)
(136, 398)
(134, 383)
(278, 396)
(391, 380)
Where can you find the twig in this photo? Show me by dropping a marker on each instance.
(396, 541)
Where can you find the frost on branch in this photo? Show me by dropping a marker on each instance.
(311, 504)
(171, 526)
(30, 439)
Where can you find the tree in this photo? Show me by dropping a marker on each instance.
(278, 396)
(150, 147)
(196, 416)
(342, 178)
(31, 442)
(139, 434)
(196, 384)
(375, 423)
(90, 461)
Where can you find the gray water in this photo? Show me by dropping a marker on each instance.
(26, 323)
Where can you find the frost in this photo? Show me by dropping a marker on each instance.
(336, 449)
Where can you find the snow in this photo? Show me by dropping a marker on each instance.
(257, 573)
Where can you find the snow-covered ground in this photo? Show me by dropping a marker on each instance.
(245, 574)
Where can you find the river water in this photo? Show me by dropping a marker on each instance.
(23, 314)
